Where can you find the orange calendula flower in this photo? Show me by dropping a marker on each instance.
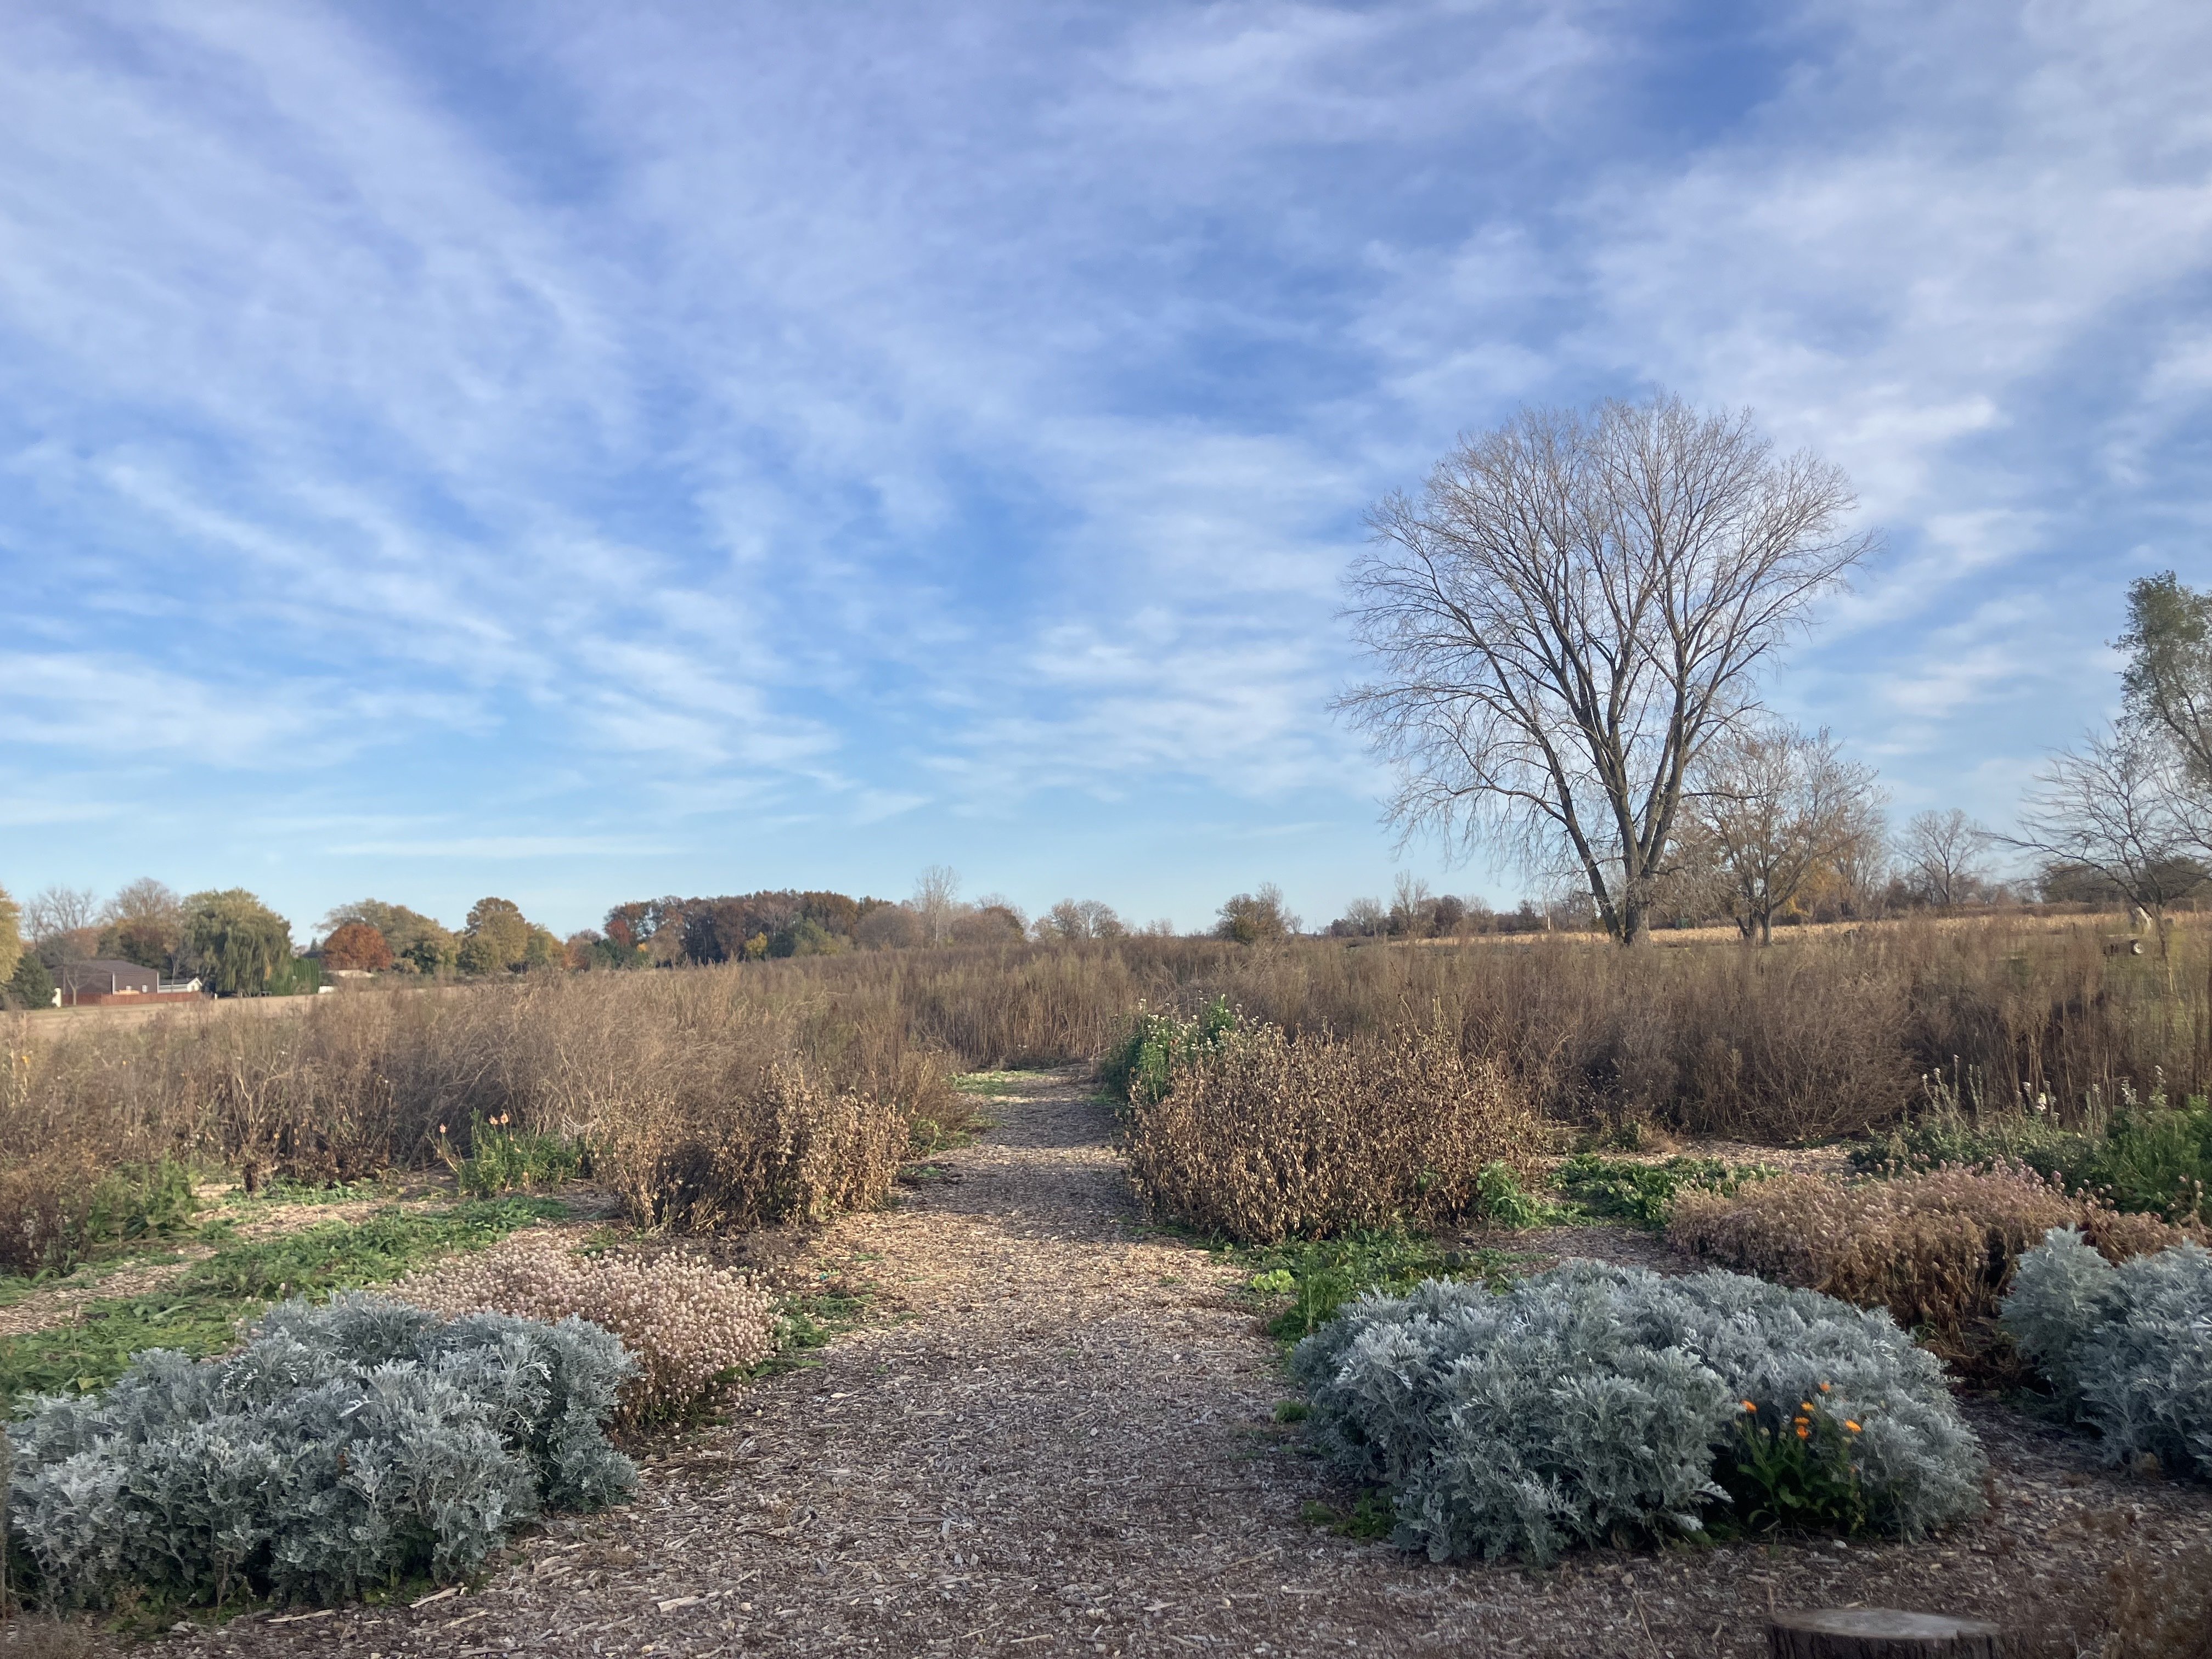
(1852, 1427)
(1804, 1432)
(1804, 1405)
(1824, 1388)
(1749, 1406)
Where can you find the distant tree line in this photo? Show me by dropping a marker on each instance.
(781, 922)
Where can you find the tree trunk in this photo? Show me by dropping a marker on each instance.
(1878, 1633)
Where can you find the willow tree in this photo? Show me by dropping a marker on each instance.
(2168, 676)
(235, 941)
(1570, 611)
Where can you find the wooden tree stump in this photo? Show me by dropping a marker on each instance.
(1879, 1633)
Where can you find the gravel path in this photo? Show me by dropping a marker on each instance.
(1063, 1442)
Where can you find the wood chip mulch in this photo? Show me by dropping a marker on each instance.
(1060, 1440)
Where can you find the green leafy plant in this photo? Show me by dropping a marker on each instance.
(140, 1202)
(1794, 1473)
(1501, 1200)
(1368, 1518)
(1317, 1279)
(502, 1159)
(197, 1312)
(1618, 1188)
(1141, 1065)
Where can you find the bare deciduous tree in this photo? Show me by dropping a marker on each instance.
(1410, 904)
(1772, 808)
(2117, 806)
(1079, 918)
(1571, 610)
(935, 896)
(59, 910)
(1364, 918)
(1943, 856)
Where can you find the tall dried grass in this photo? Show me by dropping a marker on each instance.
(1821, 1035)
(764, 1096)
(2162, 1610)
(1260, 1137)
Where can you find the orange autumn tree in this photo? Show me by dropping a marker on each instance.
(357, 946)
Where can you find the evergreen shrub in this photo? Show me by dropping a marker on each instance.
(1593, 1401)
(2128, 1345)
(344, 1446)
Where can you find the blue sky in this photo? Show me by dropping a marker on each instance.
(581, 452)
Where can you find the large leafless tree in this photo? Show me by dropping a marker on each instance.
(1569, 611)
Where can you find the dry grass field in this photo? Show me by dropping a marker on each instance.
(1011, 1409)
(1055, 1432)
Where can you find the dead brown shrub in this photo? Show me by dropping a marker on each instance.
(686, 1322)
(1265, 1138)
(1937, 1249)
(782, 1147)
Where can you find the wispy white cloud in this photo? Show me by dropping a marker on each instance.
(778, 418)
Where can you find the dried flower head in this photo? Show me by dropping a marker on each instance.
(688, 1323)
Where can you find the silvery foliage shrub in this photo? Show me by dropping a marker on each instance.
(2130, 1348)
(342, 1446)
(1592, 1398)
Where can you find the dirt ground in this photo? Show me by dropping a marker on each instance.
(1059, 1439)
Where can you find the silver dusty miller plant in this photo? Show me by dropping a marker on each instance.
(2128, 1346)
(343, 1446)
(1593, 1398)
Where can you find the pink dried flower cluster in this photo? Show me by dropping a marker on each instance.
(688, 1323)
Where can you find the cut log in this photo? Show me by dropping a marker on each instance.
(1879, 1633)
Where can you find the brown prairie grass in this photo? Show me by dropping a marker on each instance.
(1818, 1036)
(1821, 1035)
(1937, 1249)
(767, 1097)
(1262, 1137)
(45, 1635)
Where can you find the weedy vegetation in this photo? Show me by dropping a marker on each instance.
(1302, 1286)
(197, 1312)
(2141, 1154)
(689, 1328)
(1257, 1136)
